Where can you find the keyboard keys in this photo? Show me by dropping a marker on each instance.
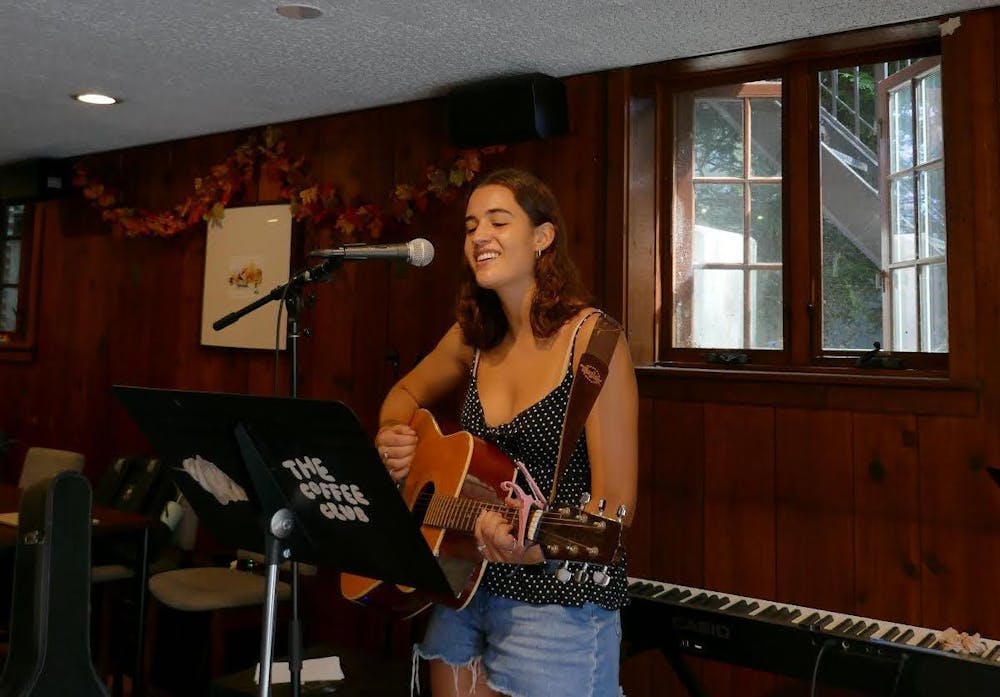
(890, 634)
(814, 620)
(869, 631)
(844, 624)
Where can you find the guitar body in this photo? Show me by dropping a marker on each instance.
(457, 465)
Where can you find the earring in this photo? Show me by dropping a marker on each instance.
(538, 254)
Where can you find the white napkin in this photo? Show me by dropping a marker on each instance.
(313, 669)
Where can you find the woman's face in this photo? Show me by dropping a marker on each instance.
(500, 240)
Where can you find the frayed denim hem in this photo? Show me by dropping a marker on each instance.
(474, 665)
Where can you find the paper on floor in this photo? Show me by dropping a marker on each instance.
(313, 669)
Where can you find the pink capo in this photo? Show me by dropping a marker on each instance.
(525, 501)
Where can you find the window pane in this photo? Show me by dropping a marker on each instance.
(852, 296)
(765, 136)
(934, 308)
(904, 309)
(15, 221)
(765, 310)
(900, 129)
(8, 309)
(717, 319)
(866, 106)
(727, 235)
(851, 246)
(826, 97)
(718, 223)
(718, 138)
(846, 79)
(933, 242)
(765, 223)
(901, 209)
(929, 139)
(10, 261)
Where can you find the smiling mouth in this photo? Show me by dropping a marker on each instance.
(485, 257)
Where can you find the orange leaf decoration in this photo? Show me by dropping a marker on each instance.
(308, 201)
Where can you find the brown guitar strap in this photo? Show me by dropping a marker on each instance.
(587, 383)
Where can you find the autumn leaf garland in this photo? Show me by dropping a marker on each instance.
(317, 204)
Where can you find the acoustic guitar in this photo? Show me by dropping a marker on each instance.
(452, 480)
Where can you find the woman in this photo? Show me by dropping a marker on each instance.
(524, 320)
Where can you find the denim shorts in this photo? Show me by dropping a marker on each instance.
(527, 650)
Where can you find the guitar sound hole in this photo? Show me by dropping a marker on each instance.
(422, 501)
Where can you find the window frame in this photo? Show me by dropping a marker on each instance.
(932, 364)
(679, 118)
(797, 65)
(19, 344)
(906, 75)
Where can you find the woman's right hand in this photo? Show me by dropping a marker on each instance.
(396, 445)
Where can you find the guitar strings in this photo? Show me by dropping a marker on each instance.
(451, 505)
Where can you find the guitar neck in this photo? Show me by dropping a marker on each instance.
(460, 514)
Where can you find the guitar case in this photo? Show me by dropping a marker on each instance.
(49, 653)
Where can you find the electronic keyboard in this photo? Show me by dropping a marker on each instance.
(844, 650)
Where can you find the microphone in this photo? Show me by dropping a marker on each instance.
(418, 252)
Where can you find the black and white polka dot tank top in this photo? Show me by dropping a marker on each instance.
(532, 437)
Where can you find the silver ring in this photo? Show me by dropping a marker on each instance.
(481, 548)
(385, 455)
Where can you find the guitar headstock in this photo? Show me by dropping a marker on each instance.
(568, 533)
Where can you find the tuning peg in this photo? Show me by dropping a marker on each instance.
(584, 499)
(601, 577)
(620, 513)
(580, 575)
(600, 506)
(563, 574)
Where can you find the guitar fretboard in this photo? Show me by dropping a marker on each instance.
(453, 513)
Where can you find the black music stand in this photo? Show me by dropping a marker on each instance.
(293, 478)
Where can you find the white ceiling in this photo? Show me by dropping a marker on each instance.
(191, 67)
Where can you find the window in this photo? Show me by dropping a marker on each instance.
(857, 201)
(915, 272)
(17, 254)
(884, 243)
(727, 217)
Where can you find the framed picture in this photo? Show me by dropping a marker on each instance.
(245, 259)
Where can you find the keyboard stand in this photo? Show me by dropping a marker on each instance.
(683, 671)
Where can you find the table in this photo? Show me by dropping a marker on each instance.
(107, 522)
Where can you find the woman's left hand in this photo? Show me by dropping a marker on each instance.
(495, 541)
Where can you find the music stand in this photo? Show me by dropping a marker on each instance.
(293, 478)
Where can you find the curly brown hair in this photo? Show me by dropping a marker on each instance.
(559, 293)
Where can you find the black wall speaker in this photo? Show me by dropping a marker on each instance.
(34, 180)
(507, 110)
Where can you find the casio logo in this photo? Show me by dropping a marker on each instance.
(719, 631)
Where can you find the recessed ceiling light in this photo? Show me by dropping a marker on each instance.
(299, 11)
(100, 99)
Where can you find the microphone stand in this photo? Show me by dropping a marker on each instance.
(291, 294)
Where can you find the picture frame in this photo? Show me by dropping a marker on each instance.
(246, 257)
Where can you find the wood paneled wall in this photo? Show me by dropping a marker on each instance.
(876, 509)
(858, 498)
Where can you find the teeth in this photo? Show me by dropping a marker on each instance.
(487, 255)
